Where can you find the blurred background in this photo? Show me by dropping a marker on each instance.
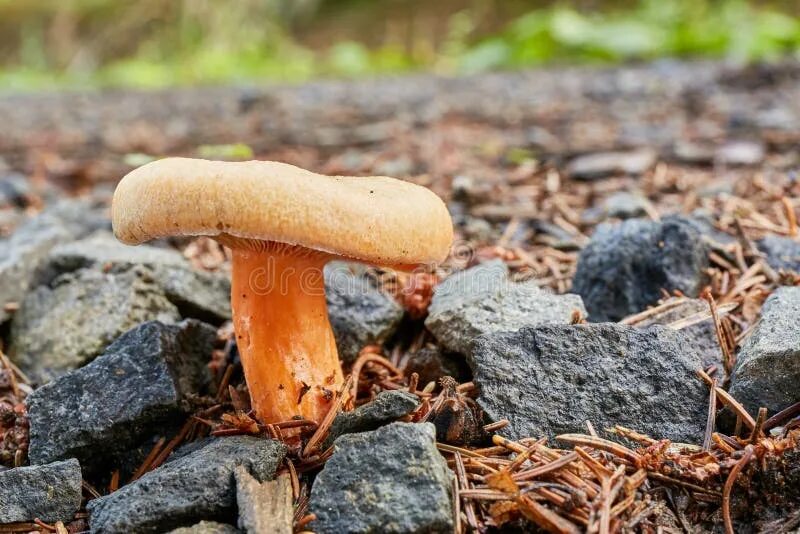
(56, 44)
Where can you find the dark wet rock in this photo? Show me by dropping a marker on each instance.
(781, 252)
(550, 380)
(197, 294)
(388, 406)
(389, 480)
(67, 324)
(139, 385)
(431, 363)
(625, 205)
(699, 330)
(483, 299)
(207, 527)
(49, 492)
(600, 165)
(195, 486)
(624, 267)
(767, 368)
(744, 153)
(360, 313)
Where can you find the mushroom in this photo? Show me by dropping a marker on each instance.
(282, 224)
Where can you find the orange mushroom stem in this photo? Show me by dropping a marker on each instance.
(283, 334)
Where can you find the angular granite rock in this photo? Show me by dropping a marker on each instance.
(781, 252)
(65, 325)
(197, 294)
(49, 492)
(360, 313)
(482, 299)
(550, 380)
(195, 486)
(389, 480)
(140, 384)
(387, 407)
(22, 253)
(767, 371)
(624, 267)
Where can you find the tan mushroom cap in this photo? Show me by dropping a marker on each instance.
(375, 219)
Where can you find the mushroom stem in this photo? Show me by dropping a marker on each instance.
(283, 334)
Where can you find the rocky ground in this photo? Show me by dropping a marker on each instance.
(612, 345)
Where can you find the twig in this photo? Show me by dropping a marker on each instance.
(726, 492)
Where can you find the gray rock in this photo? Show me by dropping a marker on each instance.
(625, 205)
(781, 252)
(48, 492)
(483, 299)
(700, 334)
(207, 527)
(693, 152)
(22, 253)
(550, 380)
(387, 407)
(99, 412)
(767, 368)
(65, 325)
(360, 313)
(389, 480)
(744, 153)
(195, 486)
(600, 165)
(624, 267)
(197, 294)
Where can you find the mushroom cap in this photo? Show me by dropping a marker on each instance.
(375, 219)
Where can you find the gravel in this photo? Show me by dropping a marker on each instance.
(197, 294)
(360, 314)
(625, 267)
(387, 407)
(192, 487)
(22, 253)
(604, 164)
(767, 371)
(138, 386)
(550, 380)
(483, 299)
(781, 252)
(389, 480)
(68, 323)
(49, 492)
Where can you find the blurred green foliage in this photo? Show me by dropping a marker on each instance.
(156, 43)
